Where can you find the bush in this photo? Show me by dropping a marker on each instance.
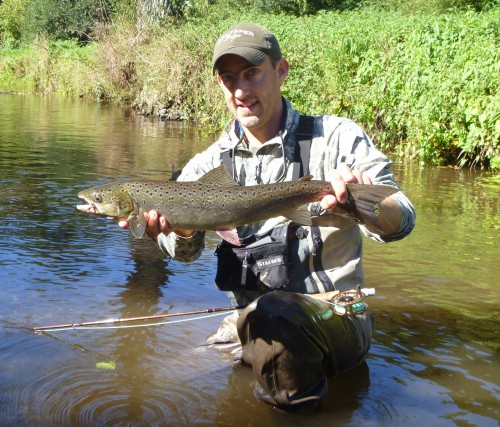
(62, 19)
(412, 7)
(302, 7)
(435, 90)
(11, 18)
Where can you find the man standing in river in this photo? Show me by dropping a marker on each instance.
(293, 342)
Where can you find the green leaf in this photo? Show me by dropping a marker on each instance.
(106, 365)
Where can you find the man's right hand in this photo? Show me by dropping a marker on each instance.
(156, 224)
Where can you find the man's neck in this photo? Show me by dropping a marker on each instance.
(258, 137)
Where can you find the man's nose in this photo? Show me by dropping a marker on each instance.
(242, 88)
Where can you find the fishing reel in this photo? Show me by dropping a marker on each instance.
(351, 303)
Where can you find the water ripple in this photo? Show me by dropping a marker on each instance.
(74, 391)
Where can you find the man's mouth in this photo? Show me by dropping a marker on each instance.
(248, 106)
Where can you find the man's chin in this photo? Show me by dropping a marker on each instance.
(249, 122)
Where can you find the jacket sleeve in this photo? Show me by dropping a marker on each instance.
(350, 145)
(189, 249)
(182, 248)
(377, 165)
(407, 221)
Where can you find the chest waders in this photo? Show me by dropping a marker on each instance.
(292, 341)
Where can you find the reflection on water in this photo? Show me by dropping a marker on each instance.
(434, 359)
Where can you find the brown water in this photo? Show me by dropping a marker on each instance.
(434, 360)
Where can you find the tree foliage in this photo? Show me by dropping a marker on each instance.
(62, 19)
(65, 19)
(11, 17)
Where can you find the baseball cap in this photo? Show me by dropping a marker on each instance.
(250, 41)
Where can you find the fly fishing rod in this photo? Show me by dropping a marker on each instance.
(131, 319)
(347, 303)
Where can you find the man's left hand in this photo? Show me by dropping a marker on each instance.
(338, 178)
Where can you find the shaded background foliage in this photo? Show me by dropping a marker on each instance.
(421, 76)
(67, 19)
(62, 19)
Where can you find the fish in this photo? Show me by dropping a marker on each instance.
(216, 202)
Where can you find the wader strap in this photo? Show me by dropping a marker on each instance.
(226, 158)
(305, 131)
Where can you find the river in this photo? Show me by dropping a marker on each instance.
(434, 360)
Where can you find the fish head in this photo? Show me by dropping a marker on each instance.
(107, 200)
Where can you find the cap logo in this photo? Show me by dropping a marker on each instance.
(234, 34)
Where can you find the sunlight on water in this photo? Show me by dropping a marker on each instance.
(434, 359)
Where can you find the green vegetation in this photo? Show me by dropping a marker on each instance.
(420, 77)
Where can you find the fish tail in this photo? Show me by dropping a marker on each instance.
(364, 203)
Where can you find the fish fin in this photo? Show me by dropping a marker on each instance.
(306, 178)
(300, 215)
(137, 224)
(218, 176)
(175, 174)
(363, 203)
(230, 236)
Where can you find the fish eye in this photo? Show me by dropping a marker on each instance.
(97, 197)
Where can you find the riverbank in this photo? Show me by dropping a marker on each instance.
(423, 87)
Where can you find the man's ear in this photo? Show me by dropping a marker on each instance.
(282, 66)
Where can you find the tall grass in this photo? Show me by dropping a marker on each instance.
(425, 86)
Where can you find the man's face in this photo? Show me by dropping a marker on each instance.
(252, 92)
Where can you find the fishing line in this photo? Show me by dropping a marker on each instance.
(79, 347)
(76, 326)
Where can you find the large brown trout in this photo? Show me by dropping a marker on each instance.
(216, 202)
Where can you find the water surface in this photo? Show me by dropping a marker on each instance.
(434, 359)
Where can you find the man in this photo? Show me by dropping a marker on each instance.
(293, 341)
